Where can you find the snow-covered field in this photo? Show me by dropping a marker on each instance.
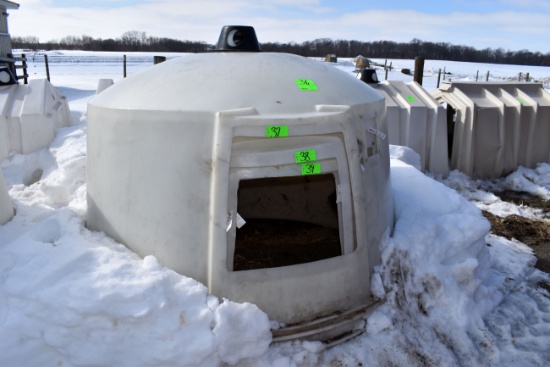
(456, 295)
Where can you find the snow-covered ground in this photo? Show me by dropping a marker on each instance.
(456, 295)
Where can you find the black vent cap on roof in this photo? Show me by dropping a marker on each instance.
(238, 38)
(368, 76)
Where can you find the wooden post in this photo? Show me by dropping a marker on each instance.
(47, 67)
(444, 67)
(24, 67)
(520, 76)
(438, 78)
(385, 64)
(487, 78)
(477, 75)
(418, 69)
(387, 68)
(124, 67)
(527, 77)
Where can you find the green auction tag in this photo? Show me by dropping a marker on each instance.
(411, 99)
(279, 131)
(306, 84)
(311, 168)
(521, 101)
(305, 156)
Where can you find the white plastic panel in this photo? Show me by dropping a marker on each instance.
(103, 84)
(498, 126)
(334, 135)
(29, 116)
(6, 207)
(415, 120)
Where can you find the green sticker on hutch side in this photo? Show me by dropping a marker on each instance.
(305, 156)
(276, 131)
(520, 100)
(311, 169)
(411, 99)
(306, 84)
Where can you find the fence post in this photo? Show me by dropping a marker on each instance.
(527, 77)
(444, 68)
(477, 75)
(487, 78)
(124, 62)
(387, 68)
(418, 69)
(24, 67)
(520, 76)
(438, 78)
(47, 67)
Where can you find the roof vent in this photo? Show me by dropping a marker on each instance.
(238, 38)
(368, 76)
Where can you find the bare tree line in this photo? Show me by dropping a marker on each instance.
(394, 50)
(128, 42)
(139, 41)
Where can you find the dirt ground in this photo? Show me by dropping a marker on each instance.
(269, 243)
(534, 233)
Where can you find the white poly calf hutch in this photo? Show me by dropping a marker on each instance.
(29, 114)
(264, 176)
(496, 127)
(418, 121)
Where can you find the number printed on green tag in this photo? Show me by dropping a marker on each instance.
(306, 84)
(411, 99)
(305, 156)
(311, 169)
(279, 131)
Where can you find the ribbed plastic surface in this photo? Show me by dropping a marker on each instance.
(497, 126)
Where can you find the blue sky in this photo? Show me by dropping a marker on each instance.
(341, 7)
(509, 24)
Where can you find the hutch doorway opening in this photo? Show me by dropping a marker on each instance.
(289, 220)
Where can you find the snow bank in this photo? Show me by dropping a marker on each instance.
(533, 181)
(445, 234)
(406, 155)
(73, 297)
(240, 331)
(454, 295)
